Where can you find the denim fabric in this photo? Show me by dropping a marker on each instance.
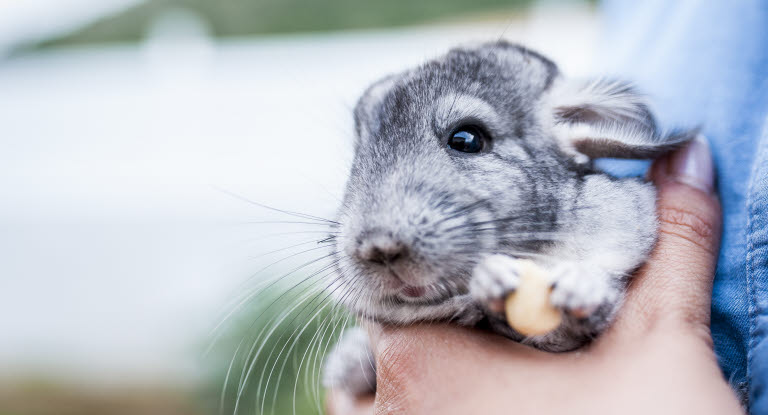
(757, 275)
(705, 63)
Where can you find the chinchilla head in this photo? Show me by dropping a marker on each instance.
(479, 151)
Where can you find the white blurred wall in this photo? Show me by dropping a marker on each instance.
(116, 248)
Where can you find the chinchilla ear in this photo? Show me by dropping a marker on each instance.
(604, 118)
(369, 107)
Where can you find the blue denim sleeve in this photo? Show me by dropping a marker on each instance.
(705, 63)
(757, 280)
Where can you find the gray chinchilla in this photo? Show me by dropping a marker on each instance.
(471, 162)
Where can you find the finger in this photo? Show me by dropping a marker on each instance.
(409, 362)
(420, 368)
(406, 365)
(675, 285)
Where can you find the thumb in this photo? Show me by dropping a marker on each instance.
(675, 285)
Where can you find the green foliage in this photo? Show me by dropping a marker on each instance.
(248, 17)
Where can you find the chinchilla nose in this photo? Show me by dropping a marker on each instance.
(381, 248)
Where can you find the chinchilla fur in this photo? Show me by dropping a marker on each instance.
(428, 232)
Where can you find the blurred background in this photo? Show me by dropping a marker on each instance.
(138, 142)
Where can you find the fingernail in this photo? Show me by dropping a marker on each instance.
(693, 165)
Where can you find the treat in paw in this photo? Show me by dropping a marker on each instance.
(528, 309)
(495, 277)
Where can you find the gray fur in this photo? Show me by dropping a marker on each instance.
(418, 213)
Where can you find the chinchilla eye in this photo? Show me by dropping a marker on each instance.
(467, 139)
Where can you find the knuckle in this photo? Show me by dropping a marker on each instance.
(396, 367)
(702, 332)
(397, 350)
(688, 224)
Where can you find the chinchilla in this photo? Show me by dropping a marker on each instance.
(471, 162)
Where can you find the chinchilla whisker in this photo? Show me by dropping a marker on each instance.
(270, 235)
(319, 272)
(253, 358)
(225, 385)
(339, 310)
(302, 298)
(515, 219)
(308, 360)
(269, 283)
(329, 239)
(314, 346)
(265, 236)
(287, 212)
(441, 201)
(274, 323)
(330, 322)
(505, 251)
(285, 258)
(338, 327)
(524, 254)
(250, 293)
(295, 336)
(462, 210)
(286, 222)
(215, 332)
(256, 274)
(526, 236)
(262, 395)
(508, 224)
(311, 359)
(473, 224)
(313, 241)
(324, 304)
(330, 315)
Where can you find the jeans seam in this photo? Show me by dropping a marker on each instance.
(752, 290)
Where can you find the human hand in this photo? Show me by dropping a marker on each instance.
(657, 357)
